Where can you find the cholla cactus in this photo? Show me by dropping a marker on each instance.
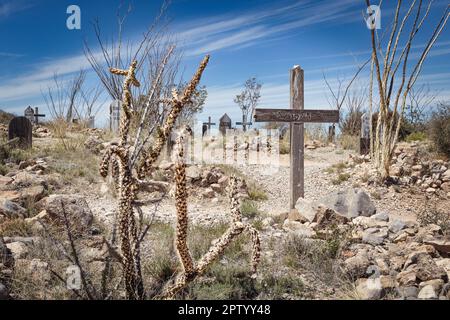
(127, 184)
(237, 227)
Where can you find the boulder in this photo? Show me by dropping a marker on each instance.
(307, 209)
(445, 177)
(369, 289)
(440, 244)
(350, 203)
(327, 217)
(4, 294)
(10, 209)
(424, 267)
(217, 187)
(294, 215)
(6, 256)
(77, 211)
(5, 181)
(427, 293)
(193, 172)
(223, 181)
(298, 229)
(208, 193)
(18, 249)
(357, 265)
(396, 226)
(381, 216)
(374, 236)
(408, 292)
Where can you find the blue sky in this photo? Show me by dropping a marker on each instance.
(245, 38)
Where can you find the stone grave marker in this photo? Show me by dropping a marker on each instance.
(21, 127)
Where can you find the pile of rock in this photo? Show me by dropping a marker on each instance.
(203, 182)
(386, 257)
(95, 143)
(20, 189)
(41, 132)
(314, 144)
(410, 169)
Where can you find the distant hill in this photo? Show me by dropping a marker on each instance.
(5, 117)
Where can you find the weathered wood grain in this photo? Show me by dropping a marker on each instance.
(296, 115)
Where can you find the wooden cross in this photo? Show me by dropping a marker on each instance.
(209, 124)
(244, 123)
(296, 116)
(37, 115)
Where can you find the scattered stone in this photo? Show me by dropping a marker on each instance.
(428, 293)
(10, 209)
(298, 229)
(396, 226)
(76, 208)
(357, 265)
(374, 236)
(193, 172)
(350, 203)
(408, 292)
(307, 209)
(18, 249)
(165, 165)
(381, 216)
(369, 289)
(4, 294)
(217, 187)
(208, 193)
(442, 245)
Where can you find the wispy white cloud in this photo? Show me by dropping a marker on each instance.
(223, 32)
(11, 55)
(7, 8)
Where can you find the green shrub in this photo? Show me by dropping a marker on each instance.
(256, 193)
(416, 136)
(440, 128)
(348, 142)
(249, 209)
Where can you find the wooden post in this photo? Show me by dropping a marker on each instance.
(297, 138)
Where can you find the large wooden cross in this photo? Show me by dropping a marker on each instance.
(297, 116)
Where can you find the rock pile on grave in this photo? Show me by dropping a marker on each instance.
(203, 182)
(385, 256)
(41, 132)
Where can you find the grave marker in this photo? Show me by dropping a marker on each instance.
(114, 115)
(21, 127)
(364, 144)
(29, 114)
(296, 116)
(224, 124)
(208, 126)
(244, 123)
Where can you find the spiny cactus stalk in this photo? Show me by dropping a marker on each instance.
(164, 132)
(127, 184)
(190, 271)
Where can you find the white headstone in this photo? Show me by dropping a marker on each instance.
(114, 115)
(365, 126)
(29, 114)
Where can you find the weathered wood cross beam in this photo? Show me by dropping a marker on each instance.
(209, 124)
(244, 123)
(296, 116)
(37, 115)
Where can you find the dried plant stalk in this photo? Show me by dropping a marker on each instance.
(128, 185)
(191, 272)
